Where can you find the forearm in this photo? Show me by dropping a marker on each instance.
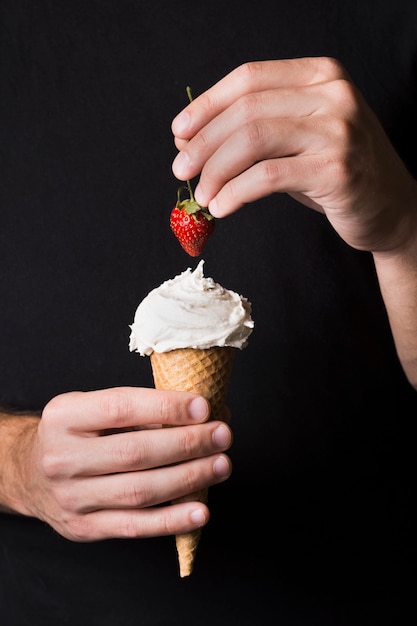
(397, 274)
(16, 437)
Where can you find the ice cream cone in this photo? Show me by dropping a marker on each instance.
(191, 327)
(203, 371)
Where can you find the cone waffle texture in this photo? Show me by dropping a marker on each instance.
(206, 372)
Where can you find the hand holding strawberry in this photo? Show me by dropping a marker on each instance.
(191, 223)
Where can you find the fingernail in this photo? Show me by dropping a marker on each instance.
(222, 436)
(198, 517)
(222, 467)
(181, 123)
(198, 409)
(180, 164)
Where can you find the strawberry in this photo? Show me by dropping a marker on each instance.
(191, 223)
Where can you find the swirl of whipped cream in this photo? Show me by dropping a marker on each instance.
(190, 311)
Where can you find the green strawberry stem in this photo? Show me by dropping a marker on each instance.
(190, 98)
(190, 191)
(190, 205)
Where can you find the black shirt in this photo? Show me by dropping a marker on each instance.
(314, 526)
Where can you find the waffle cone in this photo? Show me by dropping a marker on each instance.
(206, 372)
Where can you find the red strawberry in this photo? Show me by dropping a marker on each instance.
(191, 223)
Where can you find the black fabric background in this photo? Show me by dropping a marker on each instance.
(315, 525)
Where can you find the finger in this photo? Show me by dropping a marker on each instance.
(290, 175)
(251, 78)
(122, 407)
(137, 523)
(261, 142)
(149, 487)
(140, 450)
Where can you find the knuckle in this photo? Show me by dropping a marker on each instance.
(248, 73)
(79, 527)
(136, 494)
(254, 134)
(247, 106)
(187, 441)
(340, 131)
(66, 501)
(157, 523)
(50, 411)
(269, 172)
(207, 101)
(130, 527)
(231, 194)
(130, 453)
(343, 93)
(200, 142)
(340, 170)
(336, 134)
(189, 479)
(53, 464)
(329, 68)
(55, 409)
(165, 521)
(165, 408)
(211, 177)
(116, 406)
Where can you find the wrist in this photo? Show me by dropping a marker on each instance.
(17, 435)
